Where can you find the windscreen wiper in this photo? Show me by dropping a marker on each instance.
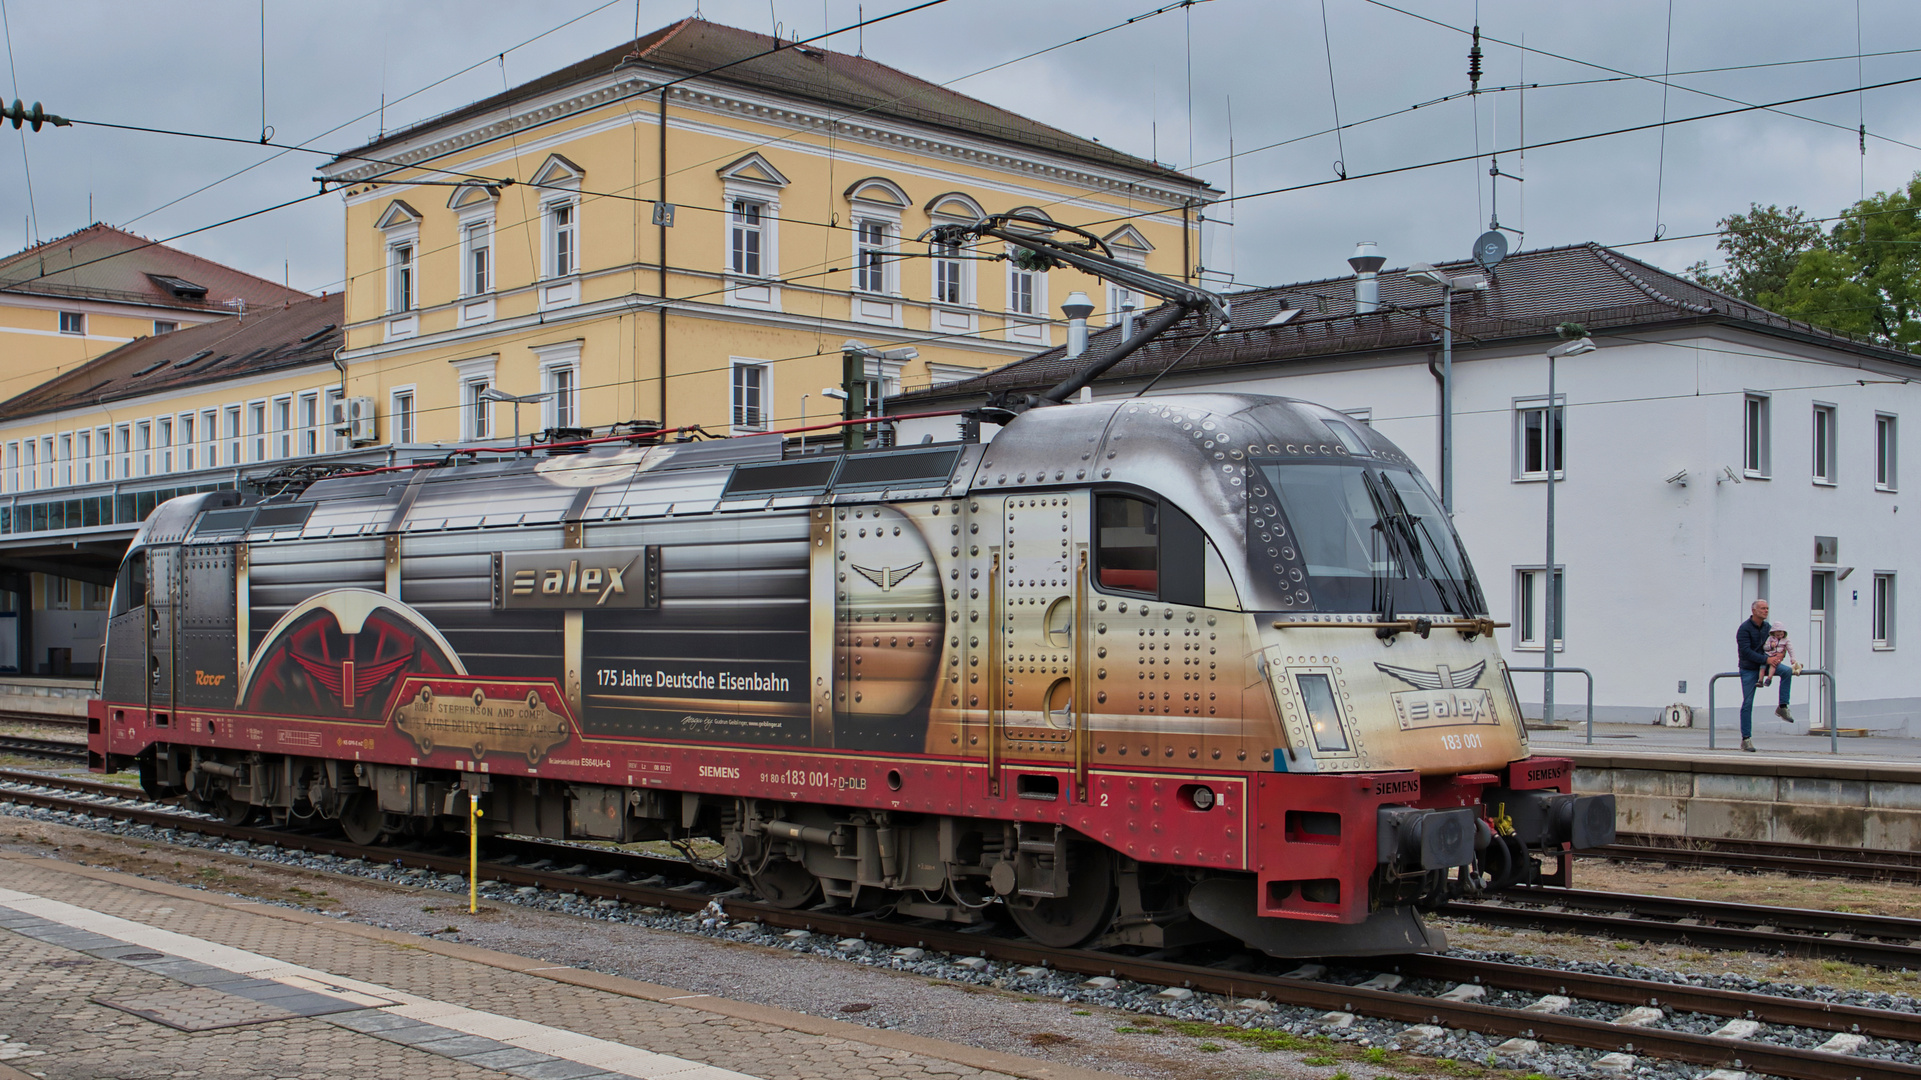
(1444, 584)
(1383, 532)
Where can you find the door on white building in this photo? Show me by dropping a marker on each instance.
(1820, 646)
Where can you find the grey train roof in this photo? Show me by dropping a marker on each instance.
(1187, 447)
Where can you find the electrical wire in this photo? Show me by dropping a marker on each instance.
(1661, 158)
(1340, 141)
(33, 207)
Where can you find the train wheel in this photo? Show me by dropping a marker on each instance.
(231, 810)
(362, 820)
(1093, 895)
(786, 884)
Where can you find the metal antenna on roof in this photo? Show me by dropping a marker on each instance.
(1660, 168)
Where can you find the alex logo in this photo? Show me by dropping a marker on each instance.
(597, 582)
(576, 579)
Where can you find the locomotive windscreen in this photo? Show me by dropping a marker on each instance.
(1342, 537)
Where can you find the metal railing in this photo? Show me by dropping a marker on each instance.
(1568, 671)
(1827, 689)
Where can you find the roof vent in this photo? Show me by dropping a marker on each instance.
(149, 369)
(320, 333)
(1367, 260)
(181, 288)
(194, 359)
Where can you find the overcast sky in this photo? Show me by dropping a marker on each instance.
(328, 65)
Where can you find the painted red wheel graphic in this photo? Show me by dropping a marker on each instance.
(313, 668)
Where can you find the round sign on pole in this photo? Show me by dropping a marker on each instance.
(1491, 248)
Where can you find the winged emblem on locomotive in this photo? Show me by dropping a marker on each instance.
(887, 577)
(1441, 678)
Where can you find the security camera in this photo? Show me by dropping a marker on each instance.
(1680, 478)
(1727, 474)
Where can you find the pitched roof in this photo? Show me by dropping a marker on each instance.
(693, 46)
(1529, 296)
(101, 262)
(258, 342)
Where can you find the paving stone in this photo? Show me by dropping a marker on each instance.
(1737, 1029)
(1844, 1042)
(1617, 1064)
(1641, 1016)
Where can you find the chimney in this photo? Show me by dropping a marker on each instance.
(1127, 318)
(1077, 308)
(1366, 261)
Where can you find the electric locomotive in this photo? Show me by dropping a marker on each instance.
(1148, 671)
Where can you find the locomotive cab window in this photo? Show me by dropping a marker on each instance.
(1150, 548)
(130, 590)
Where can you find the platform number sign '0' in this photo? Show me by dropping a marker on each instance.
(588, 579)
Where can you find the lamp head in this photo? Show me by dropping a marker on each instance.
(834, 392)
(1572, 348)
(1426, 274)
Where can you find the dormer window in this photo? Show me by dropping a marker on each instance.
(179, 288)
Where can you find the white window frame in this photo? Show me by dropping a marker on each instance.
(307, 417)
(1034, 326)
(30, 464)
(1823, 432)
(559, 361)
(739, 415)
(1887, 452)
(1885, 608)
(399, 227)
(164, 326)
(1757, 435)
(561, 255)
(235, 419)
(477, 255)
(258, 435)
(123, 442)
(103, 446)
(1522, 408)
(13, 466)
(333, 418)
(402, 419)
(66, 459)
(85, 455)
(479, 419)
(73, 322)
(752, 179)
(210, 436)
(1530, 608)
(876, 204)
(186, 427)
(284, 427)
(163, 442)
(876, 254)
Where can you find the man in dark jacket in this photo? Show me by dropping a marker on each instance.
(1751, 642)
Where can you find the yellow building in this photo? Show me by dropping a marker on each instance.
(686, 230)
(68, 300)
(88, 454)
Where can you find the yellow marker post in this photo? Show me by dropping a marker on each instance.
(473, 852)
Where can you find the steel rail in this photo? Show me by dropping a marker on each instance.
(58, 749)
(1773, 1059)
(1873, 953)
(22, 716)
(1810, 859)
(1808, 920)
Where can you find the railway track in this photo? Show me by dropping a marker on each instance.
(1764, 1033)
(1868, 864)
(1875, 940)
(55, 749)
(17, 716)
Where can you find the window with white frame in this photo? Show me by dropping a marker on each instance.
(744, 236)
(333, 411)
(1883, 610)
(73, 322)
(210, 430)
(123, 445)
(477, 410)
(478, 238)
(872, 268)
(1534, 440)
(563, 383)
(400, 415)
(164, 326)
(1021, 299)
(66, 460)
(143, 447)
(103, 442)
(563, 253)
(1756, 436)
(950, 284)
(86, 456)
(309, 424)
(1885, 448)
(257, 428)
(283, 427)
(13, 467)
(400, 277)
(1530, 608)
(46, 460)
(1824, 439)
(163, 443)
(750, 396)
(188, 444)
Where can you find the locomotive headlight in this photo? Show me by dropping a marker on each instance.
(1203, 798)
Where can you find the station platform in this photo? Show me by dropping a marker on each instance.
(109, 975)
(1792, 789)
(45, 695)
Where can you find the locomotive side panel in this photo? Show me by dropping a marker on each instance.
(449, 579)
(724, 658)
(207, 672)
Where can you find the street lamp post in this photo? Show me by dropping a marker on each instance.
(1449, 284)
(516, 400)
(1549, 446)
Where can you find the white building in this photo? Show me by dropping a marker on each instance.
(1714, 453)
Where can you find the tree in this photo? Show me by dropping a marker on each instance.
(1868, 281)
(1762, 246)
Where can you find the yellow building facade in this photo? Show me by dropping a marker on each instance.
(640, 238)
(71, 299)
